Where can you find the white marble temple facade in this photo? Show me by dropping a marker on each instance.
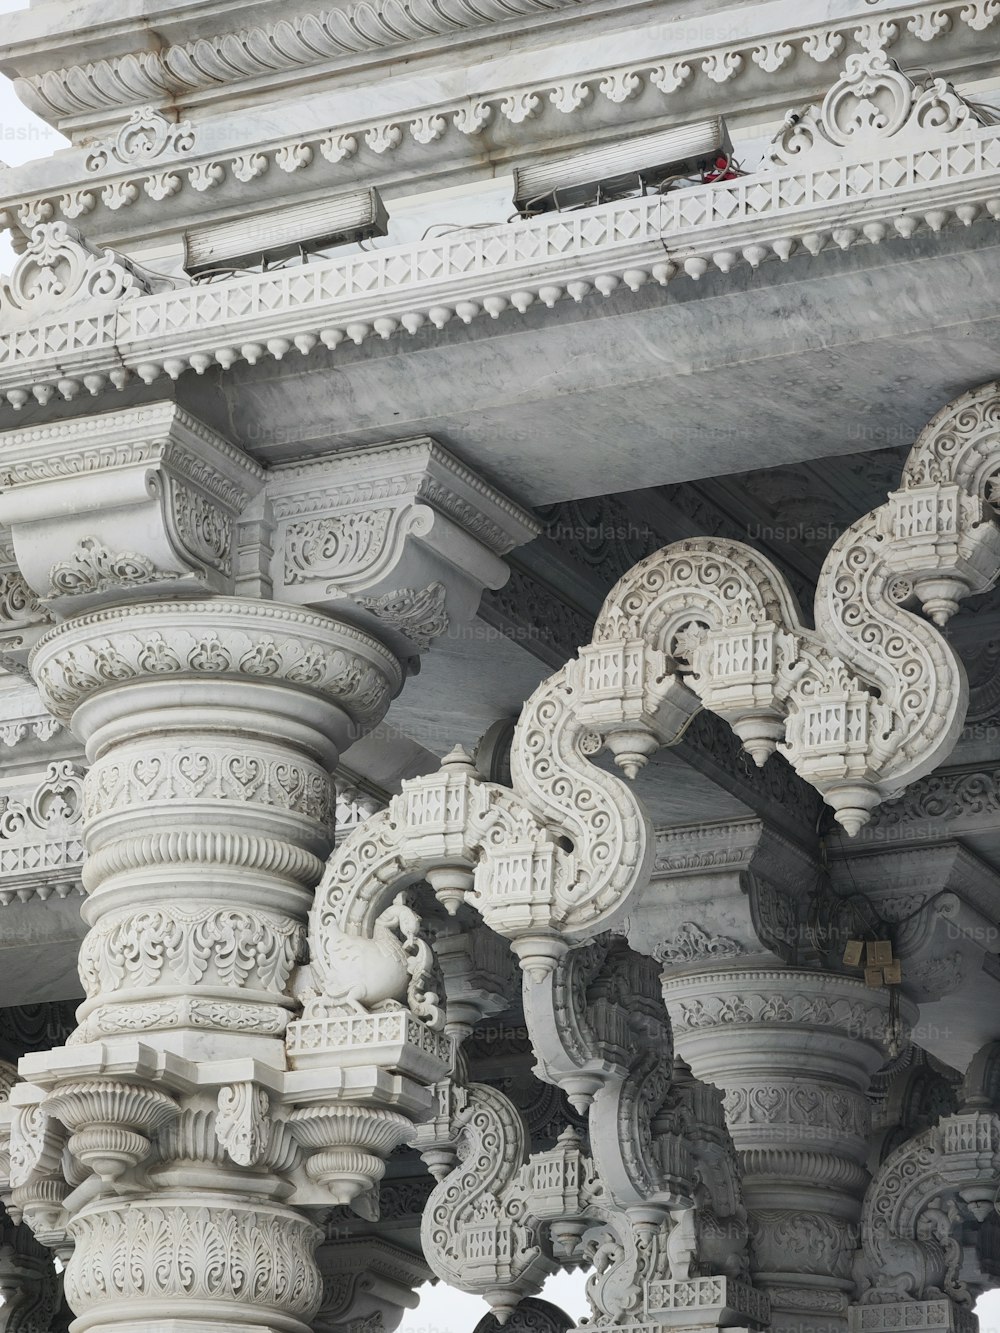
(499, 714)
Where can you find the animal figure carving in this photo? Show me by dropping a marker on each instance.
(394, 967)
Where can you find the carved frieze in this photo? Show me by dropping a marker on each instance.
(256, 1255)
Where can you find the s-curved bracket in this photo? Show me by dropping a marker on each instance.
(869, 701)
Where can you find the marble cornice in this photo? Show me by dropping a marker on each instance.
(895, 191)
(216, 165)
(108, 80)
(246, 55)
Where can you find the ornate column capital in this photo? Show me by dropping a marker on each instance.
(734, 892)
(402, 538)
(144, 500)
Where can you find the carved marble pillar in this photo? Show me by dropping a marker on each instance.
(212, 728)
(31, 1289)
(793, 1052)
(158, 1145)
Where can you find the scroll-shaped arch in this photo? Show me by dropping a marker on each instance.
(869, 700)
(553, 860)
(471, 840)
(866, 702)
(484, 1227)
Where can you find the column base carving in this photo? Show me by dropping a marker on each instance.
(705, 1302)
(139, 1263)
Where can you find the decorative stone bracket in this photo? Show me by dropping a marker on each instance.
(937, 903)
(146, 500)
(874, 697)
(722, 891)
(401, 538)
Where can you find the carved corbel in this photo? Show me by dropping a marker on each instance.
(402, 539)
(531, 1316)
(723, 891)
(35, 1187)
(112, 1123)
(479, 843)
(661, 1150)
(367, 1283)
(981, 1084)
(920, 1261)
(601, 1032)
(22, 615)
(368, 1011)
(579, 1046)
(144, 501)
(914, 1093)
(647, 1275)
